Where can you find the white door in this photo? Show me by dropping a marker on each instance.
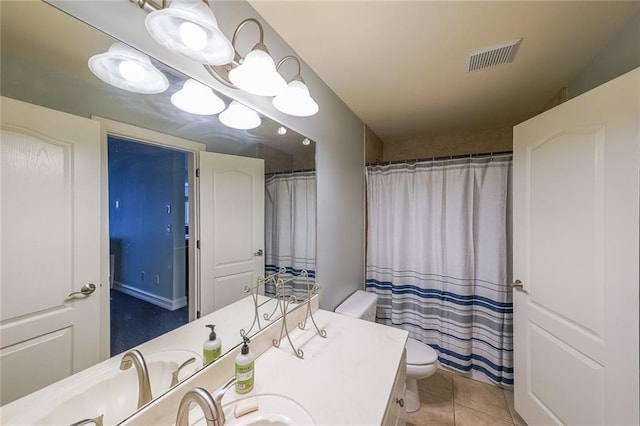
(575, 219)
(50, 246)
(231, 228)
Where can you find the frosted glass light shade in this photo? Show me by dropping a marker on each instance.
(295, 100)
(196, 98)
(128, 69)
(238, 116)
(190, 28)
(257, 74)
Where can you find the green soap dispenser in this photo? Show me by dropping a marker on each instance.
(244, 368)
(212, 346)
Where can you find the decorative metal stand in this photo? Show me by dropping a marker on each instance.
(254, 294)
(311, 290)
(255, 290)
(284, 306)
(273, 279)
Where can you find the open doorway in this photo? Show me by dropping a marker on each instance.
(149, 241)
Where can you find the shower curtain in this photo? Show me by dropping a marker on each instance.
(290, 229)
(438, 256)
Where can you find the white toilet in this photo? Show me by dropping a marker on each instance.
(422, 360)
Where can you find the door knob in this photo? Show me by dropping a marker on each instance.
(84, 292)
(517, 284)
(258, 253)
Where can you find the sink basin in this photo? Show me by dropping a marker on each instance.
(273, 410)
(111, 391)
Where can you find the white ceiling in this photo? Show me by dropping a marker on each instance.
(400, 66)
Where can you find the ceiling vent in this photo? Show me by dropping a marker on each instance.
(493, 55)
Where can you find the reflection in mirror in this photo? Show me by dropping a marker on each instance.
(44, 64)
(290, 207)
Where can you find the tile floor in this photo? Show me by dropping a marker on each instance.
(451, 399)
(134, 321)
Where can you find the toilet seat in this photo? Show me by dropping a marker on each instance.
(422, 362)
(419, 353)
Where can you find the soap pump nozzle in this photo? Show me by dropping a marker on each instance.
(245, 347)
(212, 335)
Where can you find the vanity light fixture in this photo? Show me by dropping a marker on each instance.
(189, 28)
(256, 73)
(238, 116)
(295, 99)
(128, 69)
(197, 98)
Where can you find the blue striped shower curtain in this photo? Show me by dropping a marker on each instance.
(438, 256)
(290, 228)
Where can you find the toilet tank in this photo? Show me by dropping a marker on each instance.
(360, 304)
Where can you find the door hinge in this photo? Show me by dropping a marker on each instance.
(197, 314)
(198, 244)
(197, 173)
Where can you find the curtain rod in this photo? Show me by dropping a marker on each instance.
(446, 157)
(290, 171)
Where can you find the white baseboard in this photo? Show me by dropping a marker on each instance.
(163, 302)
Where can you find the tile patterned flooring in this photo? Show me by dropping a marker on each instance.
(453, 400)
(134, 321)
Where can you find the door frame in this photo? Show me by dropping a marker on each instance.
(127, 131)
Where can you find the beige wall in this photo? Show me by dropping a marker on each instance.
(373, 146)
(560, 97)
(456, 143)
(305, 159)
(274, 159)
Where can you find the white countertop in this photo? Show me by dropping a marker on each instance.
(345, 378)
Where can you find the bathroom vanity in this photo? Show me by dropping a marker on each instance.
(354, 375)
(105, 389)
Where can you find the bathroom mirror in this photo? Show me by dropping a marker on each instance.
(44, 62)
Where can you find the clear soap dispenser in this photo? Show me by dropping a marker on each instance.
(244, 368)
(212, 346)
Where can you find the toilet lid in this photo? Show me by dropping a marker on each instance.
(419, 353)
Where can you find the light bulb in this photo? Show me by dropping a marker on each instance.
(295, 100)
(189, 28)
(196, 98)
(282, 130)
(131, 71)
(128, 69)
(306, 141)
(258, 75)
(193, 36)
(238, 116)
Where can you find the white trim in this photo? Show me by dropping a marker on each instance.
(140, 134)
(104, 347)
(152, 137)
(163, 302)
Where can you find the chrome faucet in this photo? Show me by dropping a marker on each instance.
(144, 386)
(176, 374)
(211, 405)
